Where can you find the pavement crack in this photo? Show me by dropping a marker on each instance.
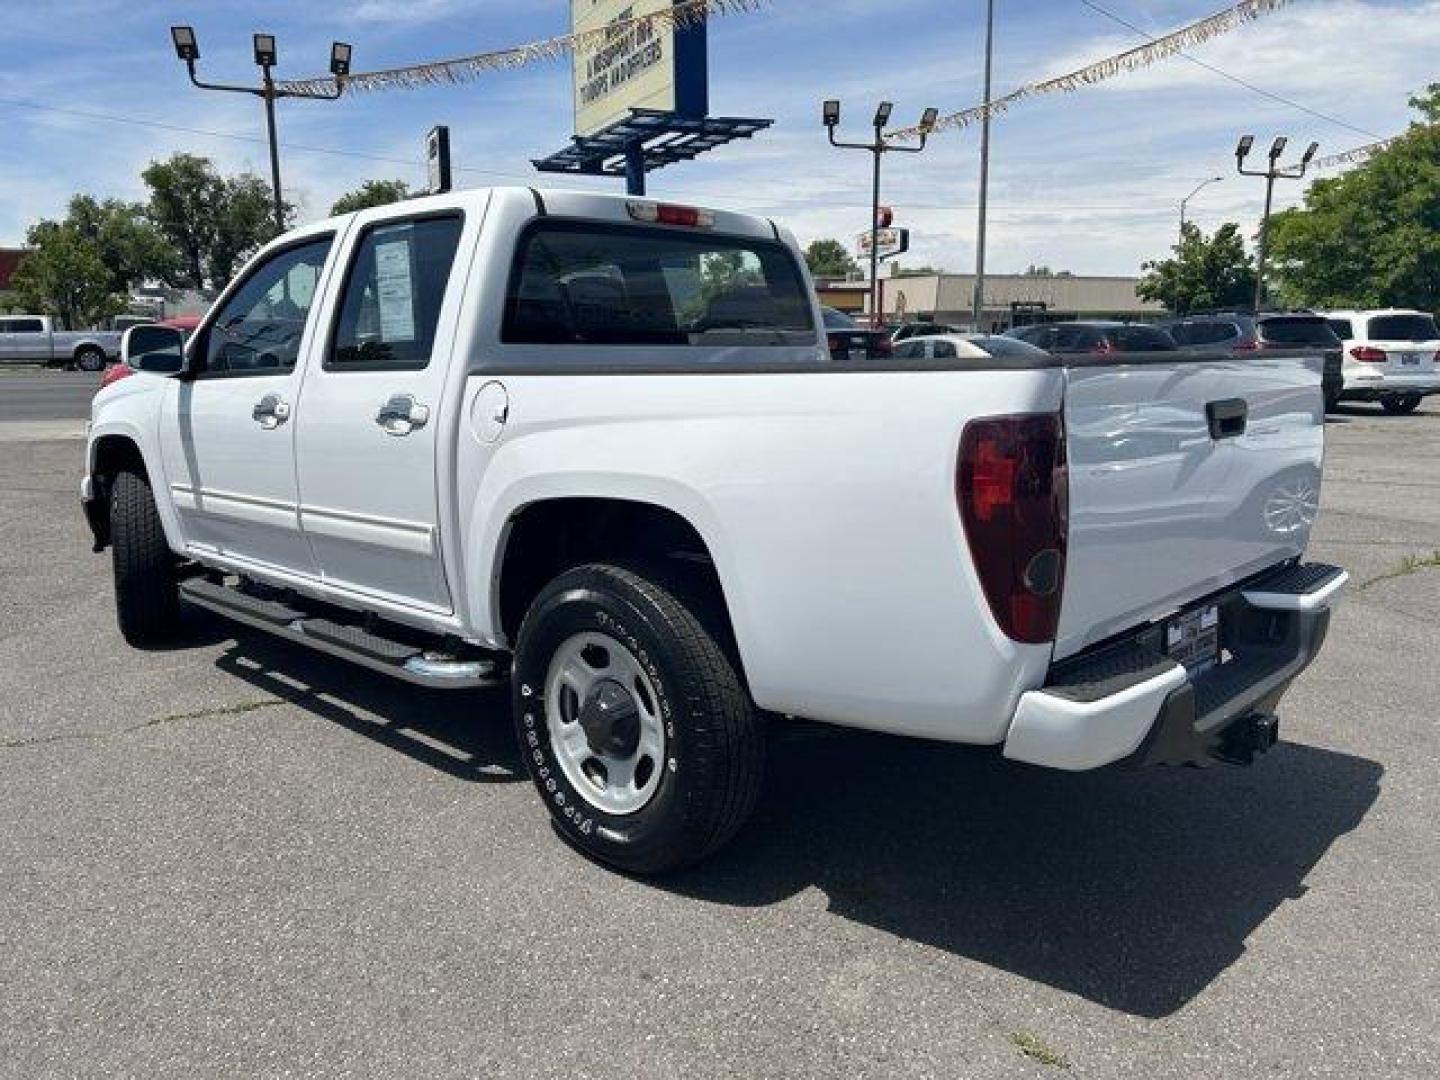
(1408, 565)
(237, 709)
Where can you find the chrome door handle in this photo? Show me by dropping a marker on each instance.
(402, 414)
(270, 411)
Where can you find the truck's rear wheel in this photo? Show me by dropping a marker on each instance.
(633, 720)
(89, 359)
(147, 590)
(1396, 404)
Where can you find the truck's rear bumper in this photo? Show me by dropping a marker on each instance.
(1128, 701)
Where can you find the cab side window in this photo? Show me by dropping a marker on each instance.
(260, 328)
(393, 292)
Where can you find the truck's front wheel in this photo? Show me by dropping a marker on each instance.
(633, 720)
(147, 590)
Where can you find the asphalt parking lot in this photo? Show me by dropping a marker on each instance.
(237, 859)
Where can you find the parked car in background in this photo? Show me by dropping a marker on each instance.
(33, 339)
(966, 347)
(908, 330)
(1388, 356)
(1095, 337)
(1244, 332)
(849, 341)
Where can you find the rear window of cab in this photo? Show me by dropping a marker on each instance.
(583, 283)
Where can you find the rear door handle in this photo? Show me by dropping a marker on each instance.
(270, 411)
(1227, 417)
(402, 414)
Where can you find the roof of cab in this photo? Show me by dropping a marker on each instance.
(563, 203)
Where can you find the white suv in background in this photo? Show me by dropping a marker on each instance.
(1389, 356)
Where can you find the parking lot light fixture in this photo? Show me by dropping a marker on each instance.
(877, 147)
(340, 59)
(266, 56)
(1271, 173)
(186, 47)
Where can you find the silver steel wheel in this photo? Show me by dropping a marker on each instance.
(604, 721)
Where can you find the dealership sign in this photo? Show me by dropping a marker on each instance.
(888, 242)
(635, 64)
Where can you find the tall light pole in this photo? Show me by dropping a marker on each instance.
(1202, 186)
(1271, 173)
(187, 48)
(1199, 188)
(979, 307)
(878, 147)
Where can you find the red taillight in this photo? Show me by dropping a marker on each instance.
(1248, 346)
(114, 373)
(1013, 488)
(670, 214)
(1368, 354)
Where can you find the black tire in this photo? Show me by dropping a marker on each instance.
(90, 358)
(1399, 404)
(714, 741)
(147, 588)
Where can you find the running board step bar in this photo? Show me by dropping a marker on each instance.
(403, 660)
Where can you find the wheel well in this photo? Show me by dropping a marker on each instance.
(86, 346)
(113, 454)
(548, 538)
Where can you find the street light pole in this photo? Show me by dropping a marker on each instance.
(1181, 240)
(979, 305)
(187, 48)
(1271, 173)
(878, 146)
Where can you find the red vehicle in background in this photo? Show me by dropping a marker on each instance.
(186, 324)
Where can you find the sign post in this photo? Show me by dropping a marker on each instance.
(437, 159)
(641, 93)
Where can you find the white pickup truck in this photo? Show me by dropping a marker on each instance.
(598, 447)
(33, 339)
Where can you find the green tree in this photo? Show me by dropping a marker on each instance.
(214, 222)
(133, 249)
(64, 275)
(1369, 237)
(371, 193)
(1205, 272)
(830, 259)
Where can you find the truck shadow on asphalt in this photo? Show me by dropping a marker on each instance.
(1133, 890)
(464, 734)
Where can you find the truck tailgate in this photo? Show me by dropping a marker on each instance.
(1186, 474)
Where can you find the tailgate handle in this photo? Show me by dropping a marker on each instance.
(1227, 417)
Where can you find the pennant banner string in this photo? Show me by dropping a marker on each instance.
(461, 69)
(1141, 56)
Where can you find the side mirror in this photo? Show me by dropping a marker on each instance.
(160, 350)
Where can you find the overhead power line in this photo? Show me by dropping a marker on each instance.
(1233, 78)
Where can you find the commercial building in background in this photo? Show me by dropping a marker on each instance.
(1010, 299)
(9, 263)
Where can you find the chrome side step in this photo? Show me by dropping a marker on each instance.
(402, 660)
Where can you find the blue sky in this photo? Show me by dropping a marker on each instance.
(1086, 181)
